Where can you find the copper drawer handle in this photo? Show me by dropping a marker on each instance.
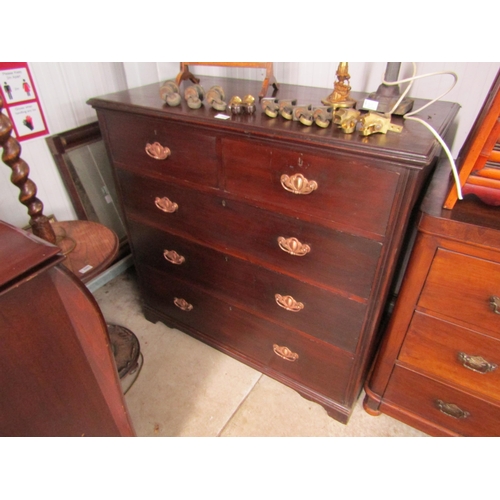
(293, 246)
(183, 305)
(476, 363)
(495, 304)
(157, 151)
(289, 303)
(165, 205)
(285, 353)
(451, 410)
(173, 257)
(298, 184)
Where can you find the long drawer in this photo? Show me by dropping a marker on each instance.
(464, 288)
(338, 188)
(335, 259)
(441, 404)
(282, 299)
(306, 361)
(193, 154)
(461, 356)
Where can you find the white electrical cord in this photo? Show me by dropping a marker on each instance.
(409, 116)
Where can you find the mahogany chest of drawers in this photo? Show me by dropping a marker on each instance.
(269, 240)
(437, 368)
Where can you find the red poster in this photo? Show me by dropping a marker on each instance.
(21, 101)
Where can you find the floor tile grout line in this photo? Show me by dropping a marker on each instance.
(239, 406)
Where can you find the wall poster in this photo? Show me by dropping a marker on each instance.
(21, 101)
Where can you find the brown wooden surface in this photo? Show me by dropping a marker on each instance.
(58, 375)
(92, 247)
(418, 395)
(224, 176)
(432, 345)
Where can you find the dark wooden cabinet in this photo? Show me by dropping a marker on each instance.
(58, 376)
(438, 366)
(291, 283)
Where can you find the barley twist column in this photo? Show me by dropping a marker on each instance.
(40, 224)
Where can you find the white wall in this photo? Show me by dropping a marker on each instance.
(64, 89)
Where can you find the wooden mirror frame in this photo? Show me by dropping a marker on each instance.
(269, 79)
(60, 145)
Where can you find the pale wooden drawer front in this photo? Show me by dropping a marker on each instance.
(348, 189)
(444, 350)
(422, 395)
(460, 287)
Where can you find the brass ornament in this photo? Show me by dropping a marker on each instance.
(288, 302)
(169, 92)
(285, 353)
(298, 184)
(173, 257)
(476, 363)
(452, 410)
(340, 97)
(157, 151)
(495, 304)
(183, 305)
(293, 246)
(165, 205)
(194, 96)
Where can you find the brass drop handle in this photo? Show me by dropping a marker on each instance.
(289, 303)
(173, 257)
(451, 410)
(293, 246)
(476, 363)
(165, 205)
(298, 184)
(157, 151)
(183, 305)
(285, 353)
(495, 304)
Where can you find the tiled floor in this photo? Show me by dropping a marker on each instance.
(186, 388)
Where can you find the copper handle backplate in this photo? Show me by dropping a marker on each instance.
(293, 246)
(285, 353)
(173, 257)
(452, 410)
(495, 304)
(476, 363)
(298, 184)
(157, 151)
(165, 205)
(289, 303)
(182, 304)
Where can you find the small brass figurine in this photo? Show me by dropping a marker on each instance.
(340, 97)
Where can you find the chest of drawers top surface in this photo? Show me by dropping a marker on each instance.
(415, 145)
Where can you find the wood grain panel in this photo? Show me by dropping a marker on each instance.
(434, 346)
